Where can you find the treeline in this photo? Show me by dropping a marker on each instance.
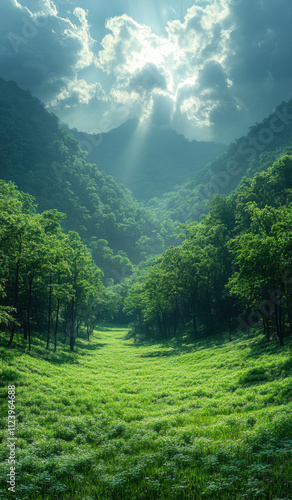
(234, 264)
(49, 282)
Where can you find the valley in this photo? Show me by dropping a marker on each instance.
(150, 420)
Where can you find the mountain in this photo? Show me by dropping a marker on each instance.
(45, 161)
(255, 152)
(149, 160)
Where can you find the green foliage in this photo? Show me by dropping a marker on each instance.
(251, 154)
(47, 278)
(44, 160)
(237, 259)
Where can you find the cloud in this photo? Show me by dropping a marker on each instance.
(234, 56)
(208, 70)
(40, 49)
(130, 46)
(137, 57)
(148, 78)
(188, 63)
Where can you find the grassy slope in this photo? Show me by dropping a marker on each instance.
(119, 421)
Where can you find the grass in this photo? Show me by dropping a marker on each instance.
(118, 420)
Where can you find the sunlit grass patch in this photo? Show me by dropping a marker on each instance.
(125, 422)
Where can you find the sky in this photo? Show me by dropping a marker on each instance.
(208, 69)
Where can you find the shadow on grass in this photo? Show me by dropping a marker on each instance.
(63, 355)
(109, 328)
(259, 346)
(181, 345)
(254, 340)
(82, 348)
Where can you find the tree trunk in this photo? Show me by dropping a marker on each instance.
(25, 330)
(230, 327)
(56, 324)
(49, 313)
(160, 325)
(195, 324)
(267, 328)
(278, 329)
(67, 325)
(28, 311)
(147, 329)
(281, 321)
(175, 319)
(181, 317)
(72, 326)
(140, 320)
(209, 307)
(164, 325)
(15, 300)
(194, 315)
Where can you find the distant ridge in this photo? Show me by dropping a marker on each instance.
(150, 161)
(252, 153)
(45, 161)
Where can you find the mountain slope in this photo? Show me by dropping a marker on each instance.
(150, 161)
(253, 153)
(47, 162)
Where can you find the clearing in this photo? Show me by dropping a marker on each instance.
(117, 420)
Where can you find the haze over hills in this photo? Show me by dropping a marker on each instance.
(45, 161)
(40, 158)
(255, 152)
(150, 160)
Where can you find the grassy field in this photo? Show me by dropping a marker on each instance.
(119, 420)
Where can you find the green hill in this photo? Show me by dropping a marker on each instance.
(45, 161)
(148, 160)
(256, 152)
(151, 421)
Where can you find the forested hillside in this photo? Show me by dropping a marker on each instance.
(49, 282)
(236, 262)
(253, 153)
(229, 264)
(147, 158)
(45, 161)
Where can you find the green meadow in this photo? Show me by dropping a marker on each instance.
(120, 420)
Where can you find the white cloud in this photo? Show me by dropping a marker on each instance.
(42, 50)
(82, 34)
(78, 92)
(130, 46)
(215, 69)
